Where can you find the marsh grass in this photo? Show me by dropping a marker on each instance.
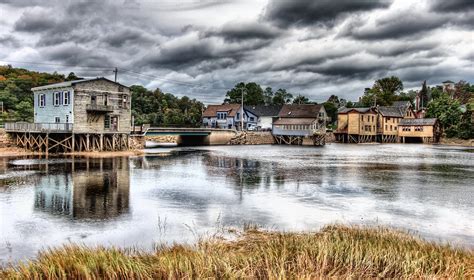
(335, 251)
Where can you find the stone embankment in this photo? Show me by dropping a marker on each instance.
(163, 138)
(252, 138)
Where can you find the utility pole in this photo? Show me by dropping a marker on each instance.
(242, 115)
(116, 72)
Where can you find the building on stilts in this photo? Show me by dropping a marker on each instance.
(81, 115)
(300, 124)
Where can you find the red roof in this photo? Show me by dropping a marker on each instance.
(231, 109)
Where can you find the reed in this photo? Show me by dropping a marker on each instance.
(335, 251)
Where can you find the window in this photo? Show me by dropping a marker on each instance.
(66, 97)
(57, 120)
(93, 99)
(390, 127)
(238, 116)
(362, 117)
(57, 98)
(107, 122)
(418, 128)
(388, 119)
(406, 128)
(67, 118)
(386, 127)
(252, 119)
(41, 100)
(123, 101)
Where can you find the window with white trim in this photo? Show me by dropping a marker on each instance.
(66, 97)
(41, 100)
(57, 98)
(57, 120)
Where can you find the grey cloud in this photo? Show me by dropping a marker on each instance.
(452, 5)
(9, 41)
(74, 55)
(35, 21)
(235, 31)
(309, 12)
(396, 26)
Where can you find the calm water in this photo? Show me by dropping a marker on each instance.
(184, 194)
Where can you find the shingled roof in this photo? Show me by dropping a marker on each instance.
(300, 111)
(421, 122)
(264, 110)
(231, 109)
(71, 83)
(360, 110)
(391, 111)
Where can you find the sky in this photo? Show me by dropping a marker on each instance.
(203, 48)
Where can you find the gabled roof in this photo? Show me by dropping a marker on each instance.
(424, 121)
(231, 109)
(401, 104)
(391, 111)
(359, 110)
(71, 83)
(300, 111)
(264, 110)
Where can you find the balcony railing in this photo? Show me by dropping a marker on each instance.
(38, 127)
(99, 108)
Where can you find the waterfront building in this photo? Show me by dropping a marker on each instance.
(356, 125)
(418, 130)
(228, 116)
(80, 115)
(301, 124)
(266, 114)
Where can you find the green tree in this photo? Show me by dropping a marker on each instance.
(383, 92)
(448, 112)
(24, 111)
(281, 96)
(253, 94)
(331, 110)
(268, 96)
(301, 99)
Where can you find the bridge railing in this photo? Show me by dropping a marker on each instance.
(38, 127)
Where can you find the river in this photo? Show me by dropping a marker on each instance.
(178, 195)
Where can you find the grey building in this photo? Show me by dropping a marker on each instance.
(81, 115)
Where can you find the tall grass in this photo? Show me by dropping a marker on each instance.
(335, 251)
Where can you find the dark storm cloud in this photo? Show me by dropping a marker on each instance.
(74, 55)
(452, 5)
(126, 36)
(309, 12)
(235, 31)
(9, 41)
(395, 26)
(193, 49)
(35, 21)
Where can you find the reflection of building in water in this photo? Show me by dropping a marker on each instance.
(95, 189)
(244, 172)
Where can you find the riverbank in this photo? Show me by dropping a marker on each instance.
(456, 142)
(335, 251)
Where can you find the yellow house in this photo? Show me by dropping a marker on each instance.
(356, 125)
(418, 130)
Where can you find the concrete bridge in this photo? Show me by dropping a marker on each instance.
(187, 136)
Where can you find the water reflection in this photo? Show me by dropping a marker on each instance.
(80, 188)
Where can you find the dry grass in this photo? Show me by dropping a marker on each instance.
(335, 251)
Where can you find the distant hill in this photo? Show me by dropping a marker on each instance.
(15, 91)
